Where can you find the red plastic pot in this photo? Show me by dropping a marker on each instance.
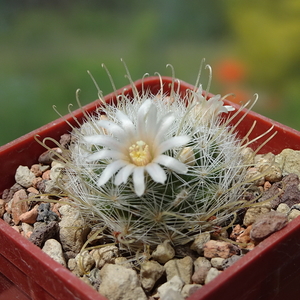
(270, 271)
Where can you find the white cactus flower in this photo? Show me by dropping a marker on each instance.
(209, 109)
(137, 147)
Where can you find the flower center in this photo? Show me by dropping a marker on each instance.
(140, 154)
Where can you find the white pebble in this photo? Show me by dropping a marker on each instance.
(283, 208)
(53, 248)
(172, 287)
(118, 282)
(163, 252)
(212, 274)
(217, 262)
(190, 289)
(24, 176)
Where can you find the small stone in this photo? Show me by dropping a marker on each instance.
(185, 250)
(18, 206)
(244, 237)
(283, 208)
(248, 155)
(40, 185)
(51, 187)
(69, 254)
(219, 249)
(217, 262)
(289, 161)
(7, 218)
(85, 262)
(294, 213)
(163, 252)
(44, 214)
(264, 159)
(202, 262)
(150, 272)
(120, 283)
(56, 208)
(200, 274)
(94, 277)
(65, 140)
(32, 190)
(199, 242)
(7, 207)
(72, 266)
(272, 173)
(8, 194)
(46, 175)
(267, 224)
(53, 248)
(73, 229)
(230, 261)
(36, 170)
(44, 232)
(237, 230)
(171, 290)
(212, 274)
(267, 185)
(272, 193)
(105, 255)
(291, 193)
(172, 295)
(27, 229)
(48, 156)
(190, 289)
(123, 262)
(29, 217)
(180, 267)
(36, 182)
(2, 207)
(56, 170)
(24, 176)
(254, 176)
(253, 212)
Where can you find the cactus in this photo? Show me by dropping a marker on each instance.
(157, 167)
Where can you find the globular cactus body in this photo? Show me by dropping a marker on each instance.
(156, 167)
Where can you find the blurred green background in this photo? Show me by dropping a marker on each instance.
(46, 47)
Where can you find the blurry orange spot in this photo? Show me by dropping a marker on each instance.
(230, 70)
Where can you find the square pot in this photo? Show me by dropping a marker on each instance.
(270, 271)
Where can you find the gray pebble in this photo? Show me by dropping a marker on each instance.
(230, 261)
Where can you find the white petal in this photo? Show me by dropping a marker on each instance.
(151, 123)
(110, 170)
(163, 126)
(123, 174)
(141, 117)
(113, 128)
(127, 124)
(171, 163)
(139, 180)
(173, 142)
(156, 172)
(105, 154)
(105, 141)
(229, 107)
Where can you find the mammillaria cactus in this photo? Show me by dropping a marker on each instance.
(156, 167)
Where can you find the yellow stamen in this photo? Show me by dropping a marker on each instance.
(140, 154)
